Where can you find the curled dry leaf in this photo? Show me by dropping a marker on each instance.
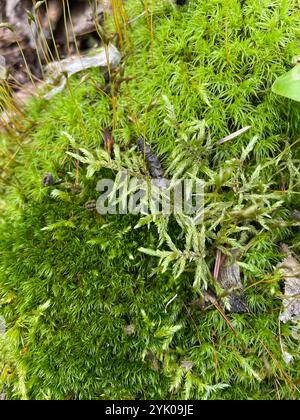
(48, 180)
(230, 280)
(155, 167)
(108, 141)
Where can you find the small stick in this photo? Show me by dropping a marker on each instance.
(214, 302)
(234, 135)
(136, 18)
(77, 172)
(217, 264)
(108, 141)
(170, 301)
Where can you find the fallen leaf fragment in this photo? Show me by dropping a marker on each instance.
(230, 281)
(59, 71)
(290, 267)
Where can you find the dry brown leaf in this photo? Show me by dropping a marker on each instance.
(230, 281)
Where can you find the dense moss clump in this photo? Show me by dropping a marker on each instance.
(90, 311)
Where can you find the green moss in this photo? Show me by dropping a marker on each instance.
(71, 281)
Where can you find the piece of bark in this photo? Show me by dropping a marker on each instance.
(230, 281)
(290, 268)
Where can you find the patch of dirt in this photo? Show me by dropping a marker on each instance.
(39, 32)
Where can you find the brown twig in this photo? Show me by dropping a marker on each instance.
(214, 302)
